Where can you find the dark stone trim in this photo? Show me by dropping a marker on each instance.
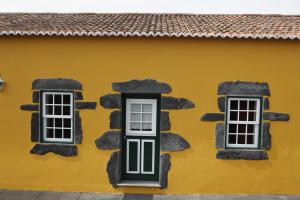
(172, 103)
(243, 88)
(110, 140)
(172, 142)
(220, 136)
(36, 97)
(35, 127)
(78, 129)
(213, 117)
(165, 166)
(116, 121)
(241, 155)
(113, 169)
(111, 101)
(56, 83)
(272, 116)
(221, 103)
(29, 107)
(78, 96)
(63, 150)
(85, 105)
(266, 137)
(266, 104)
(142, 86)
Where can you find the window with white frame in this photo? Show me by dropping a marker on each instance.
(243, 122)
(141, 116)
(57, 116)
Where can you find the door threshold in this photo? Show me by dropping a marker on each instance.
(139, 184)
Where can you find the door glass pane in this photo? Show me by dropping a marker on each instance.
(133, 156)
(148, 157)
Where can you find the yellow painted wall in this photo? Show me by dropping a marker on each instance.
(193, 67)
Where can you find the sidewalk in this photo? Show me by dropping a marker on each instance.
(42, 195)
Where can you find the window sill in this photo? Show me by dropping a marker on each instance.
(239, 154)
(139, 184)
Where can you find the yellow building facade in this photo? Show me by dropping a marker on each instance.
(193, 67)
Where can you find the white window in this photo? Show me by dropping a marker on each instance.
(243, 122)
(57, 117)
(141, 117)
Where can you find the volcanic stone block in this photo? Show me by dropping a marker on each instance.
(266, 104)
(63, 150)
(56, 83)
(110, 140)
(213, 117)
(172, 103)
(111, 101)
(266, 137)
(141, 86)
(165, 124)
(243, 88)
(221, 103)
(165, 166)
(241, 154)
(30, 107)
(36, 97)
(78, 129)
(78, 96)
(85, 105)
(35, 127)
(113, 169)
(172, 142)
(220, 136)
(272, 116)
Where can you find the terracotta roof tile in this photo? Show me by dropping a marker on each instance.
(151, 25)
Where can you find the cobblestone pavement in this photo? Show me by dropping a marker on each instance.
(43, 195)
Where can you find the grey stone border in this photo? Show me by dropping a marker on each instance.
(30, 107)
(266, 104)
(35, 127)
(111, 101)
(173, 142)
(113, 169)
(172, 103)
(36, 96)
(243, 88)
(165, 166)
(63, 150)
(213, 117)
(220, 136)
(241, 155)
(110, 140)
(273, 116)
(141, 86)
(222, 103)
(266, 137)
(56, 84)
(85, 105)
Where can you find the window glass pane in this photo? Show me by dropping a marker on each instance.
(67, 99)
(49, 122)
(233, 116)
(252, 116)
(49, 132)
(135, 117)
(58, 133)
(250, 139)
(57, 98)
(66, 110)
(67, 133)
(242, 128)
(49, 110)
(241, 139)
(243, 105)
(135, 126)
(233, 104)
(232, 128)
(250, 128)
(49, 99)
(147, 117)
(67, 123)
(147, 126)
(135, 107)
(57, 110)
(147, 107)
(232, 139)
(58, 122)
(252, 105)
(243, 116)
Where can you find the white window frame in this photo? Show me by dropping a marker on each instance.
(256, 123)
(129, 102)
(45, 117)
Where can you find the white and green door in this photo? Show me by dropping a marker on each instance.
(140, 137)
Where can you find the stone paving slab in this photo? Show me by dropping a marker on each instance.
(44, 195)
